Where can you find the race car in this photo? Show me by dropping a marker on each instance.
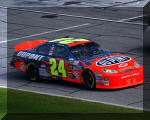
(77, 60)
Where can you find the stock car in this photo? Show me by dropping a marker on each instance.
(77, 60)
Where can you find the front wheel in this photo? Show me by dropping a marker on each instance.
(32, 73)
(88, 79)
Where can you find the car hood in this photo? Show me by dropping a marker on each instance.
(111, 62)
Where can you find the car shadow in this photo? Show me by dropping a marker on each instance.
(21, 77)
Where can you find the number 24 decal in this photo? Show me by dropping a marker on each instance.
(61, 67)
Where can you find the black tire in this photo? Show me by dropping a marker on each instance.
(32, 73)
(88, 79)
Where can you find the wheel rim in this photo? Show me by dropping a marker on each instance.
(88, 80)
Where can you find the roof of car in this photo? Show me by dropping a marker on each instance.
(70, 41)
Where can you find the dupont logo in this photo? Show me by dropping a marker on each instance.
(112, 60)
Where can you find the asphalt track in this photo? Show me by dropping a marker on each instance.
(125, 38)
(76, 3)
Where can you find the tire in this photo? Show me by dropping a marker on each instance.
(88, 79)
(32, 72)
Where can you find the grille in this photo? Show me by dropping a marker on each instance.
(127, 70)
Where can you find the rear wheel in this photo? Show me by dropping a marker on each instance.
(32, 73)
(88, 79)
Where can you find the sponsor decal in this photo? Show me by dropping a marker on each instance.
(131, 81)
(29, 55)
(43, 65)
(22, 66)
(75, 62)
(135, 74)
(96, 73)
(112, 60)
(123, 65)
(98, 77)
(106, 83)
(70, 68)
(76, 74)
(71, 76)
(43, 72)
(99, 82)
(75, 67)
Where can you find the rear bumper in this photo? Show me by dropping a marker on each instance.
(121, 80)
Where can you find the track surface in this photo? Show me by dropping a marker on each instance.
(125, 38)
(74, 3)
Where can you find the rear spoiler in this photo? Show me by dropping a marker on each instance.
(29, 45)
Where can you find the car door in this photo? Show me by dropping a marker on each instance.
(44, 67)
(59, 62)
(64, 66)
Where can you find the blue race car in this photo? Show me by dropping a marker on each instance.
(77, 60)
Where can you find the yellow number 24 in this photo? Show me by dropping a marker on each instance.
(61, 67)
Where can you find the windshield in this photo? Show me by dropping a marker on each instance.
(87, 50)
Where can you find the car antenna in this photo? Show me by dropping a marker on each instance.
(66, 37)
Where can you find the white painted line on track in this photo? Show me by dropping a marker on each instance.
(3, 86)
(78, 98)
(52, 31)
(134, 18)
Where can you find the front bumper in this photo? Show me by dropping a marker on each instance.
(121, 80)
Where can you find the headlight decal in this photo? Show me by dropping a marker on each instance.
(109, 71)
(136, 65)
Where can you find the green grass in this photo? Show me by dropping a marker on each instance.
(28, 102)
(3, 102)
